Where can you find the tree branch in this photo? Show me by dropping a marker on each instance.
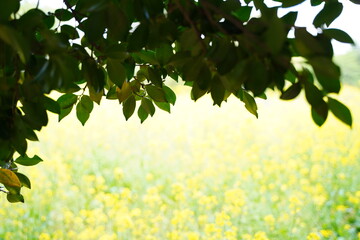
(192, 24)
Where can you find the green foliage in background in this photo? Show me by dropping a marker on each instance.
(349, 64)
(123, 50)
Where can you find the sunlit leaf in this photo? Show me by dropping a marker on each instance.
(9, 178)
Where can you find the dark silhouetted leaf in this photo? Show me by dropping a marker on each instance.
(24, 180)
(13, 198)
(331, 10)
(70, 31)
(116, 71)
(327, 72)
(16, 41)
(155, 77)
(138, 38)
(52, 105)
(63, 14)
(340, 111)
(291, 3)
(338, 35)
(7, 8)
(217, 91)
(28, 161)
(292, 92)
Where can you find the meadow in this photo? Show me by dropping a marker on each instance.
(199, 173)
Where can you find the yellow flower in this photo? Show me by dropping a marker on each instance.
(260, 236)
(313, 236)
(193, 236)
(44, 236)
(269, 219)
(326, 233)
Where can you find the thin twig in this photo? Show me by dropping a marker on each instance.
(74, 13)
(237, 23)
(4, 191)
(192, 24)
(211, 20)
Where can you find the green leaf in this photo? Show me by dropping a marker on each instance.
(163, 106)
(117, 23)
(16, 41)
(316, 2)
(67, 100)
(196, 91)
(69, 31)
(292, 92)
(116, 71)
(148, 106)
(117, 51)
(156, 93)
(124, 92)
(19, 143)
(7, 8)
(35, 114)
(331, 10)
(250, 103)
(338, 35)
(64, 112)
(96, 96)
(28, 161)
(84, 108)
(9, 178)
(319, 114)
(164, 53)
(155, 77)
(243, 13)
(340, 111)
(13, 198)
(51, 105)
(217, 91)
(86, 6)
(169, 94)
(138, 38)
(313, 95)
(94, 26)
(291, 3)
(275, 35)
(142, 113)
(24, 180)
(290, 18)
(306, 44)
(327, 72)
(63, 14)
(94, 74)
(129, 107)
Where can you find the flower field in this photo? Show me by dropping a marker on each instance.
(202, 172)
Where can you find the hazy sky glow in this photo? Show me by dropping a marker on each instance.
(348, 21)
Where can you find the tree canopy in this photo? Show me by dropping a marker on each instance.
(123, 50)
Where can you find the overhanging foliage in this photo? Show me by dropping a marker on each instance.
(124, 49)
